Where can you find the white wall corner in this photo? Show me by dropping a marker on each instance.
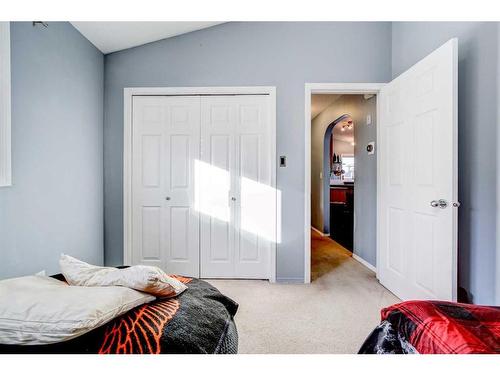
(5, 106)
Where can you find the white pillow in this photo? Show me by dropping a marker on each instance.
(36, 310)
(147, 279)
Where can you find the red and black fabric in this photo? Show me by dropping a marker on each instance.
(436, 327)
(199, 321)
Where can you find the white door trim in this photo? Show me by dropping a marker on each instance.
(323, 88)
(130, 92)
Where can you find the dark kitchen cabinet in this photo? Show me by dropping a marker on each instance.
(342, 216)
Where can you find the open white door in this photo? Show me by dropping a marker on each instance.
(417, 179)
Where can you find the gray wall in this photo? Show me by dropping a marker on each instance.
(56, 202)
(365, 185)
(285, 55)
(477, 136)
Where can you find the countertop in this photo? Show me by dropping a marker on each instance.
(341, 184)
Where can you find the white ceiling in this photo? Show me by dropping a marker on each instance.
(114, 36)
(347, 135)
(319, 102)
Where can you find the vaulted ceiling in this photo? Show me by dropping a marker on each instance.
(319, 102)
(114, 36)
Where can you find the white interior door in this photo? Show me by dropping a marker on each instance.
(417, 220)
(166, 139)
(235, 196)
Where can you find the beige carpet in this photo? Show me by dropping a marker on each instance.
(333, 314)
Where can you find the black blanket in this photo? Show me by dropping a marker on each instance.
(200, 320)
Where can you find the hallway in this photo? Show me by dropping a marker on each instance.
(326, 255)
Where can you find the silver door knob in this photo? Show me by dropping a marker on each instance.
(233, 199)
(441, 203)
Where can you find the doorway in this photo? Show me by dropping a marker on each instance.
(342, 89)
(343, 180)
(338, 177)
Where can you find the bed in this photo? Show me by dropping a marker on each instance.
(435, 327)
(200, 320)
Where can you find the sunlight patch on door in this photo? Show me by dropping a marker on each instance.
(258, 209)
(212, 186)
(260, 204)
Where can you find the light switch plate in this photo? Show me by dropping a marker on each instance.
(282, 161)
(368, 119)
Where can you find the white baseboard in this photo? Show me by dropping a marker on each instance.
(320, 232)
(364, 262)
(290, 280)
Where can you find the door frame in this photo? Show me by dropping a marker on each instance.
(325, 88)
(130, 92)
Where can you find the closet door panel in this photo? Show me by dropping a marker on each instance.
(255, 219)
(249, 216)
(182, 145)
(214, 195)
(151, 234)
(238, 206)
(148, 183)
(151, 160)
(218, 188)
(166, 132)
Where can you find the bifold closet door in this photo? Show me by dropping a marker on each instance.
(166, 143)
(235, 199)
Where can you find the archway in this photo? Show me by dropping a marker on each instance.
(326, 171)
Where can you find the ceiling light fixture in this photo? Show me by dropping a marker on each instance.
(349, 126)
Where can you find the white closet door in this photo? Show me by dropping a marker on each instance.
(166, 133)
(236, 200)
(255, 207)
(215, 171)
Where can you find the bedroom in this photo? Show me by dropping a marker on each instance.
(89, 113)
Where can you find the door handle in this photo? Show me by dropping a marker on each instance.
(233, 199)
(441, 203)
(167, 198)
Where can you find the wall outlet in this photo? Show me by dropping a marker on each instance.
(368, 119)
